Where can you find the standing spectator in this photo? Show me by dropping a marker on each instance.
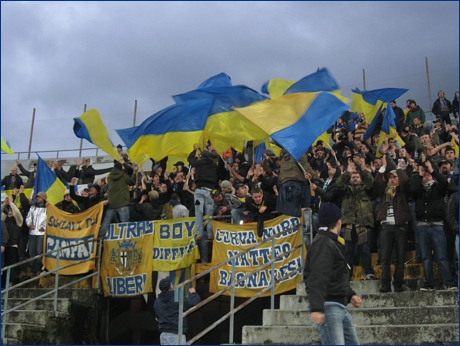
(62, 174)
(206, 181)
(178, 210)
(327, 282)
(167, 312)
(294, 178)
(399, 120)
(442, 108)
(357, 215)
(394, 214)
(455, 106)
(13, 220)
(67, 205)
(13, 180)
(93, 196)
(36, 221)
(89, 173)
(429, 188)
(118, 197)
(30, 175)
(224, 203)
(415, 112)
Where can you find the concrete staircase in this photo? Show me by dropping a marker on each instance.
(36, 322)
(409, 317)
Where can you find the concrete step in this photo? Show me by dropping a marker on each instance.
(372, 286)
(376, 300)
(71, 293)
(10, 341)
(378, 334)
(36, 317)
(16, 330)
(370, 316)
(63, 304)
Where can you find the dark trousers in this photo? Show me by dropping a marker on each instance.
(352, 247)
(393, 237)
(10, 256)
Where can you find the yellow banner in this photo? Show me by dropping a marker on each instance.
(174, 246)
(126, 268)
(230, 239)
(63, 229)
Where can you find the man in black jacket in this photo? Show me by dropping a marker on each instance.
(167, 313)
(428, 189)
(442, 107)
(327, 282)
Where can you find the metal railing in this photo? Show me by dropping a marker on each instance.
(55, 290)
(305, 229)
(27, 154)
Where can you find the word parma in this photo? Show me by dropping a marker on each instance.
(262, 278)
(126, 285)
(129, 230)
(79, 250)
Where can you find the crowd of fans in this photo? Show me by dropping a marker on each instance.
(395, 193)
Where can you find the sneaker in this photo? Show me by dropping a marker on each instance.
(385, 289)
(398, 289)
(426, 287)
(370, 277)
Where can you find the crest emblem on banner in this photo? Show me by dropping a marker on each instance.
(127, 257)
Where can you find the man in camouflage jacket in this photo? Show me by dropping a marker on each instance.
(356, 186)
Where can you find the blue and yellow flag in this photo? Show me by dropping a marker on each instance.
(46, 181)
(174, 130)
(6, 147)
(296, 120)
(372, 102)
(276, 87)
(321, 80)
(90, 126)
(388, 129)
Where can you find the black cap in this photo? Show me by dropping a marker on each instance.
(444, 161)
(179, 163)
(165, 284)
(119, 146)
(237, 186)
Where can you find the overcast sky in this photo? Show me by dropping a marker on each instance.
(58, 56)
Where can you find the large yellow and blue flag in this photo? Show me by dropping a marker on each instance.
(197, 116)
(6, 148)
(372, 102)
(296, 120)
(276, 87)
(321, 80)
(46, 181)
(90, 126)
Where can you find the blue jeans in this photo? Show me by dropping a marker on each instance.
(110, 215)
(433, 238)
(337, 327)
(171, 339)
(204, 205)
(35, 249)
(238, 216)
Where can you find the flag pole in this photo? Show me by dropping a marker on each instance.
(31, 132)
(81, 139)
